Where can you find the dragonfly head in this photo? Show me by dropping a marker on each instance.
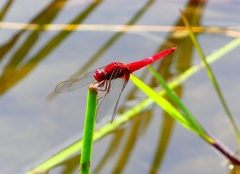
(99, 75)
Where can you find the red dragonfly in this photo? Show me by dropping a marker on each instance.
(110, 80)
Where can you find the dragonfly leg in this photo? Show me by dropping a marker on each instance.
(105, 90)
(107, 84)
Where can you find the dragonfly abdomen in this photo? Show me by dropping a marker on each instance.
(142, 63)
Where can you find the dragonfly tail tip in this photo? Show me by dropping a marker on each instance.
(174, 48)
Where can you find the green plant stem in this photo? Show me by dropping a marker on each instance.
(191, 123)
(179, 103)
(234, 160)
(224, 151)
(88, 130)
(212, 77)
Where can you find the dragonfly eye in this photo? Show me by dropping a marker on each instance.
(99, 75)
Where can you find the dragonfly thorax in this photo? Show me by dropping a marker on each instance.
(111, 71)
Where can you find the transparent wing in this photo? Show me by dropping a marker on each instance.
(76, 82)
(111, 98)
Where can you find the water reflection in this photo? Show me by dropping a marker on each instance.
(18, 67)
